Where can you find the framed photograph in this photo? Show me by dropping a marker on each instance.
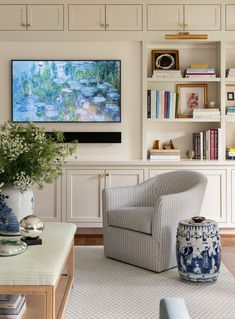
(191, 96)
(165, 60)
(230, 95)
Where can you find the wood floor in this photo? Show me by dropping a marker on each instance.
(95, 237)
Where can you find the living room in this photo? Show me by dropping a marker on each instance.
(134, 122)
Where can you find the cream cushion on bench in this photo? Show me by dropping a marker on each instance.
(40, 264)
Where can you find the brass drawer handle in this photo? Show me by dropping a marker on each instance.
(28, 25)
(23, 24)
(102, 25)
(185, 24)
(107, 25)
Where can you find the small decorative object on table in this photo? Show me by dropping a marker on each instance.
(31, 227)
(9, 224)
(198, 250)
(12, 247)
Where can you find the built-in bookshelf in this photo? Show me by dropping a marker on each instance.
(217, 55)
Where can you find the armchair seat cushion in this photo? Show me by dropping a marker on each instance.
(133, 218)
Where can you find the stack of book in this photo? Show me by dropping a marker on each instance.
(12, 306)
(230, 153)
(206, 114)
(167, 74)
(230, 73)
(164, 155)
(207, 144)
(200, 72)
(161, 104)
(230, 110)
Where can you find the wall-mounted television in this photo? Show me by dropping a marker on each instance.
(66, 90)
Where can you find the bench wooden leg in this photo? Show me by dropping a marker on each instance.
(50, 302)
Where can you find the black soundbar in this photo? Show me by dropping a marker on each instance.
(92, 137)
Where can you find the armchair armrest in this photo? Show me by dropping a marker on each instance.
(172, 208)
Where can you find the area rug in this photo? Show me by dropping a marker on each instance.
(108, 289)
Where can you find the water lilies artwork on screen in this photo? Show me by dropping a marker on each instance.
(61, 91)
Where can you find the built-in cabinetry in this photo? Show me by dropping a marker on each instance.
(84, 191)
(77, 197)
(31, 17)
(230, 14)
(48, 202)
(184, 17)
(105, 17)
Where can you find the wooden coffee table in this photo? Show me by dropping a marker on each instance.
(40, 274)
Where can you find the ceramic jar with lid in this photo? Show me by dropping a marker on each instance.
(198, 249)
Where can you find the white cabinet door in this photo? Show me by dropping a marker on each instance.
(232, 195)
(84, 189)
(12, 17)
(202, 17)
(46, 17)
(86, 17)
(47, 202)
(230, 17)
(122, 177)
(165, 17)
(214, 203)
(124, 17)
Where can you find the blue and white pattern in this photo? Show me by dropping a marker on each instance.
(198, 250)
(9, 224)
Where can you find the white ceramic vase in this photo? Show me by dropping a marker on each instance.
(22, 204)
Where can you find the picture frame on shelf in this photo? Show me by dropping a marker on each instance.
(230, 95)
(165, 60)
(191, 96)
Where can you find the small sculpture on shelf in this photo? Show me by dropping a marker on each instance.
(169, 146)
(31, 227)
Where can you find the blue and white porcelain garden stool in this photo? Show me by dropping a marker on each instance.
(198, 249)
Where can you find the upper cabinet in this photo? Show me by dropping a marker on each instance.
(46, 17)
(230, 17)
(12, 17)
(87, 17)
(31, 17)
(202, 17)
(165, 17)
(184, 17)
(105, 17)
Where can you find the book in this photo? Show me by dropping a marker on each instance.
(199, 66)
(16, 316)
(9, 300)
(13, 311)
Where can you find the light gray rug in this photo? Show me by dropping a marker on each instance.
(108, 289)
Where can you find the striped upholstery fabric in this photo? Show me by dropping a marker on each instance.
(133, 218)
(173, 197)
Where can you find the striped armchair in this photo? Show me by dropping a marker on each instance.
(140, 221)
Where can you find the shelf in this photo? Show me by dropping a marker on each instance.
(183, 120)
(182, 80)
(230, 118)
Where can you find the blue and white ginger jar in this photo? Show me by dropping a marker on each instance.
(198, 250)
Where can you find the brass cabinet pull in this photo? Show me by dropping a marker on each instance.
(186, 25)
(102, 25)
(102, 175)
(23, 24)
(107, 25)
(181, 25)
(107, 174)
(28, 25)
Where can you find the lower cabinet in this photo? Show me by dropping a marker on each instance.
(47, 202)
(214, 203)
(84, 192)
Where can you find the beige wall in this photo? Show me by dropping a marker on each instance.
(130, 55)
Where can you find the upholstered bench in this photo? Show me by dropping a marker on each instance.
(38, 272)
